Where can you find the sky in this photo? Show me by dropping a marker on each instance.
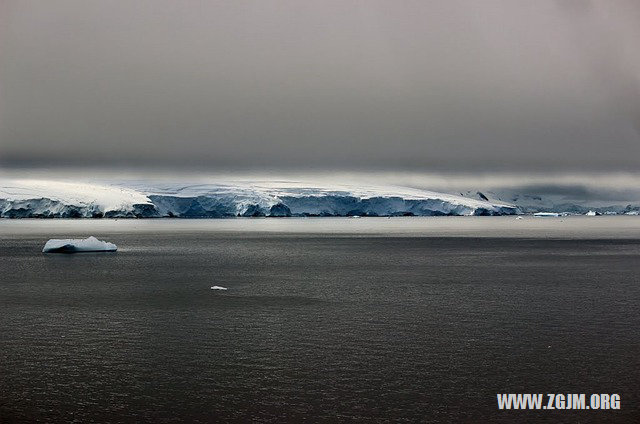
(416, 86)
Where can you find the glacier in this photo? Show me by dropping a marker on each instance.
(62, 199)
(27, 198)
(563, 200)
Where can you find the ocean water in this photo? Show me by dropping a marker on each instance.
(324, 320)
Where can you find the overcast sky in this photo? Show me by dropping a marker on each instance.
(421, 85)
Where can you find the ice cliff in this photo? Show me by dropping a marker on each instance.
(54, 199)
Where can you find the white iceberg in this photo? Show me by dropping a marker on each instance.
(90, 244)
(218, 288)
(547, 214)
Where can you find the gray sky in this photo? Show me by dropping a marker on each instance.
(423, 85)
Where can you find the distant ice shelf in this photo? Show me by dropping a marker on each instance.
(51, 199)
(90, 244)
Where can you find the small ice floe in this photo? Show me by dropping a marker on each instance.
(218, 288)
(592, 213)
(90, 244)
(518, 217)
(547, 214)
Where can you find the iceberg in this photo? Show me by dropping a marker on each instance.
(218, 288)
(90, 244)
(547, 214)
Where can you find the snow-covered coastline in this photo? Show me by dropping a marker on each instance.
(255, 197)
(53, 199)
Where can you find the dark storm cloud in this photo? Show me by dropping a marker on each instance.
(520, 85)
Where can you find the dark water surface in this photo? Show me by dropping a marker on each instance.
(328, 325)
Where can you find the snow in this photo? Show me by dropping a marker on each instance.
(218, 288)
(556, 197)
(133, 194)
(105, 196)
(148, 199)
(62, 199)
(303, 198)
(90, 244)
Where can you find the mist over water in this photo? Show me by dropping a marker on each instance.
(594, 188)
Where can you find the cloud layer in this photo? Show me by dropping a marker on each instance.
(443, 85)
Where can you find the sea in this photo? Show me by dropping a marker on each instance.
(330, 320)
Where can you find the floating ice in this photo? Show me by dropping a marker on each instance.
(90, 244)
(218, 288)
(547, 214)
